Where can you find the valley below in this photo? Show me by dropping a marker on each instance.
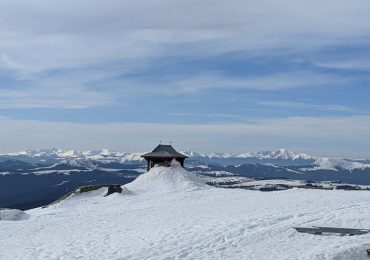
(36, 178)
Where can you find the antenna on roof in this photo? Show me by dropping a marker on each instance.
(160, 141)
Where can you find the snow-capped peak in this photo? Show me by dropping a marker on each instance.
(105, 152)
(277, 157)
(277, 154)
(20, 153)
(80, 163)
(66, 154)
(192, 154)
(334, 164)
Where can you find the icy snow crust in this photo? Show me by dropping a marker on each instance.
(169, 214)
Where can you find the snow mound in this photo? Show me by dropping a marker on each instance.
(166, 179)
(13, 214)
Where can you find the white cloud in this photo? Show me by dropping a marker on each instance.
(74, 89)
(57, 50)
(40, 35)
(275, 81)
(332, 136)
(56, 92)
(307, 105)
(352, 63)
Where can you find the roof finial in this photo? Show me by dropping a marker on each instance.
(160, 141)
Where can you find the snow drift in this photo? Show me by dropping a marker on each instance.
(158, 180)
(174, 215)
(166, 179)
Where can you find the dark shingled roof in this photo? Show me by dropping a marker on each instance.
(164, 151)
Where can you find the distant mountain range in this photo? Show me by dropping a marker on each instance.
(37, 177)
(280, 157)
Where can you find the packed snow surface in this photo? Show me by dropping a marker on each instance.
(167, 213)
(12, 215)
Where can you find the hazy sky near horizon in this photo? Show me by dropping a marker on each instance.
(210, 76)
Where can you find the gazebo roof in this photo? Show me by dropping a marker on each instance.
(164, 151)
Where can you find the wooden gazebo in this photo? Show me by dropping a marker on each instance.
(163, 155)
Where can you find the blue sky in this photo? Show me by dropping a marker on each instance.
(209, 76)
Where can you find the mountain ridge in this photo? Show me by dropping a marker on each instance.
(280, 157)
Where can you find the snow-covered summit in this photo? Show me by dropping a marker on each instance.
(335, 164)
(277, 154)
(280, 157)
(58, 155)
(196, 224)
(274, 154)
(106, 153)
(166, 179)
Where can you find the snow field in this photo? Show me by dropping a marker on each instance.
(169, 214)
(12, 215)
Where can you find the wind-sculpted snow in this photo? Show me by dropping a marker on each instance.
(168, 214)
(165, 179)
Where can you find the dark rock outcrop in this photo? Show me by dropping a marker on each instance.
(114, 189)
